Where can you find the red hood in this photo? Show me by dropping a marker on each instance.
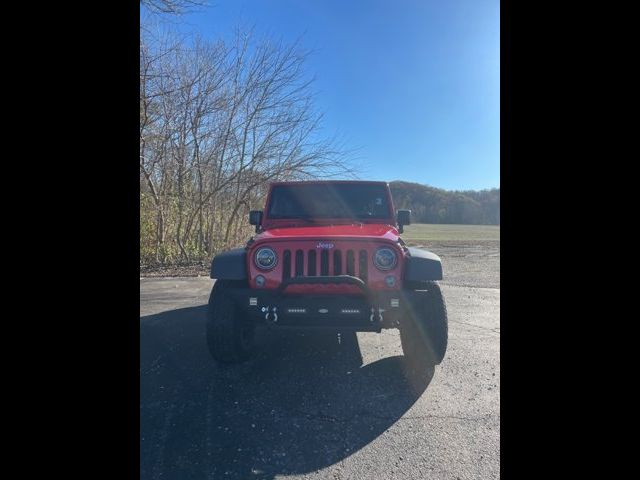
(357, 231)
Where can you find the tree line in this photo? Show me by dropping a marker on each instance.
(435, 205)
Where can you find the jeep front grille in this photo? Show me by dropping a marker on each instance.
(332, 262)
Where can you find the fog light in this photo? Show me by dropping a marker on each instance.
(260, 281)
(390, 280)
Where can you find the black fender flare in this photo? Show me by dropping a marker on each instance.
(230, 265)
(422, 266)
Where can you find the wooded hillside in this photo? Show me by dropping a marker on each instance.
(434, 205)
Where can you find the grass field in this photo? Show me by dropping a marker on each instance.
(422, 232)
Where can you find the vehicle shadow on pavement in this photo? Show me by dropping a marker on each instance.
(303, 403)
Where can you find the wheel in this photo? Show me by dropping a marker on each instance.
(230, 336)
(424, 330)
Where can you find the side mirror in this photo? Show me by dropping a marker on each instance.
(403, 218)
(255, 218)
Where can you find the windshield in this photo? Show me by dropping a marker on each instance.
(322, 201)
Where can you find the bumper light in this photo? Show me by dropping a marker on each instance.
(296, 310)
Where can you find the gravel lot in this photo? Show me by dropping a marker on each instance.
(309, 407)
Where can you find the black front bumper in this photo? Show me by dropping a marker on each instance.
(370, 312)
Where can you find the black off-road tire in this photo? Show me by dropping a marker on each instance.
(424, 331)
(230, 336)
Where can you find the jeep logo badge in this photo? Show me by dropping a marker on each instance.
(325, 245)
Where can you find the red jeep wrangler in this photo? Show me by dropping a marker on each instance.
(328, 255)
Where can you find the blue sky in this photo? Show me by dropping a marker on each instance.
(413, 85)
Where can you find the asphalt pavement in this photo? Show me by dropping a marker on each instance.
(310, 406)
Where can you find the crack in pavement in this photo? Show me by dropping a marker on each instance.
(334, 419)
(476, 326)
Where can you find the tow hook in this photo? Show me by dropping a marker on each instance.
(273, 314)
(373, 314)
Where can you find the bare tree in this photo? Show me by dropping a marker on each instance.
(218, 121)
(175, 7)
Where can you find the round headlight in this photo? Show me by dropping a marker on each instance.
(266, 258)
(385, 258)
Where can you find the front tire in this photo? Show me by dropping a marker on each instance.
(424, 330)
(230, 336)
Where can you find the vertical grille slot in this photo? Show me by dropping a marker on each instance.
(324, 263)
(286, 264)
(299, 263)
(362, 267)
(311, 266)
(337, 262)
(351, 263)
